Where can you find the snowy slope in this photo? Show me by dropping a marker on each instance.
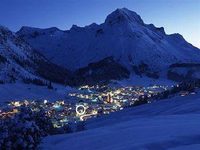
(174, 106)
(20, 91)
(134, 80)
(19, 61)
(12, 53)
(123, 35)
(169, 124)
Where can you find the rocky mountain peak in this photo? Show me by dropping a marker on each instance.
(123, 15)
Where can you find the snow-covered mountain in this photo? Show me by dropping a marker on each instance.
(123, 36)
(19, 61)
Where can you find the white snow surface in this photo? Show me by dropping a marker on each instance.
(20, 91)
(135, 80)
(171, 124)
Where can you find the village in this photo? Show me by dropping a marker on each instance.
(88, 102)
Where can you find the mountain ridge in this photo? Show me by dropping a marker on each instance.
(123, 36)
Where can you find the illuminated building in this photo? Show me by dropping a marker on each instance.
(109, 98)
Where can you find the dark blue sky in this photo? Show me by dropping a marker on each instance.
(180, 16)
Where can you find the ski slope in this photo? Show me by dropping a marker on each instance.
(171, 124)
